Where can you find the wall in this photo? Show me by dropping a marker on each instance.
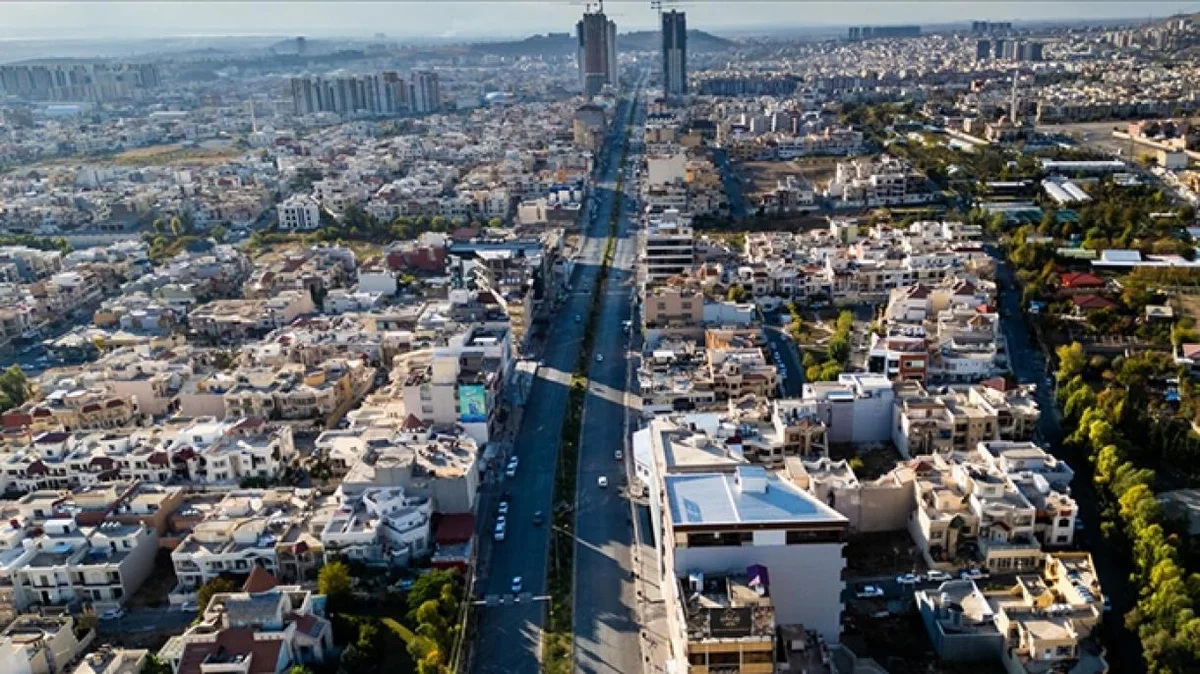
(958, 647)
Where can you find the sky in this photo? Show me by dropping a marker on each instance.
(482, 19)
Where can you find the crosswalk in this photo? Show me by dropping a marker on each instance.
(510, 599)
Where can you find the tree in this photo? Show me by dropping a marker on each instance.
(1071, 360)
(736, 293)
(838, 349)
(215, 586)
(14, 388)
(176, 227)
(334, 580)
(154, 665)
(218, 233)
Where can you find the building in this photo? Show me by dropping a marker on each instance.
(669, 247)
(723, 622)
(714, 514)
(299, 213)
(597, 52)
(373, 94)
(674, 53)
(78, 80)
(426, 93)
(41, 644)
(110, 660)
(1041, 624)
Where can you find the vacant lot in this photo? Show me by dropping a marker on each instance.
(175, 153)
(762, 176)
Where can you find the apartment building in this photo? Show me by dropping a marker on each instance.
(440, 464)
(299, 213)
(723, 623)
(110, 660)
(668, 247)
(293, 392)
(461, 382)
(264, 629)
(42, 643)
(207, 451)
(102, 565)
(672, 306)
(715, 514)
(379, 527)
(959, 418)
(232, 321)
(856, 409)
(888, 181)
(1043, 623)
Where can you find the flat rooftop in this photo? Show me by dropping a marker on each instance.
(749, 495)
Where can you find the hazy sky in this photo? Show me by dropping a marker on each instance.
(482, 19)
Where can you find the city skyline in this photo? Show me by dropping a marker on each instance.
(496, 20)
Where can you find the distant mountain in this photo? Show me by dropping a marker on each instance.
(651, 40)
(565, 44)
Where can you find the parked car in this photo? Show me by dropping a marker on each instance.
(113, 614)
(973, 574)
(516, 584)
(908, 579)
(869, 592)
(618, 455)
(538, 518)
(502, 508)
(936, 576)
(501, 530)
(602, 481)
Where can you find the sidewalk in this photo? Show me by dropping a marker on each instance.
(651, 611)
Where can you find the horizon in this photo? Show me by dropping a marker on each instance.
(31, 22)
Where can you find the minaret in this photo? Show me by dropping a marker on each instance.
(253, 119)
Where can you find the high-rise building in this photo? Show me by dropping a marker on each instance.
(983, 50)
(382, 94)
(674, 53)
(998, 47)
(426, 96)
(597, 52)
(78, 80)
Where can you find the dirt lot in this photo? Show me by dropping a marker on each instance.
(1187, 304)
(159, 155)
(762, 176)
(1098, 136)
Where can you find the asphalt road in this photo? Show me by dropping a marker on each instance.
(789, 357)
(606, 624)
(510, 626)
(733, 187)
(1029, 365)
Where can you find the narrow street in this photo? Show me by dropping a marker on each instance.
(1030, 365)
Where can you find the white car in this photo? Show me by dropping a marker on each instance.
(907, 579)
(936, 576)
(869, 592)
(602, 481)
(501, 529)
(973, 574)
(618, 455)
(113, 614)
(599, 358)
(502, 508)
(516, 584)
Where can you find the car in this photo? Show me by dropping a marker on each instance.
(908, 579)
(189, 606)
(599, 358)
(538, 518)
(936, 576)
(113, 614)
(1079, 525)
(500, 531)
(511, 470)
(516, 584)
(502, 508)
(1107, 604)
(973, 574)
(618, 455)
(869, 592)
(602, 481)
(578, 318)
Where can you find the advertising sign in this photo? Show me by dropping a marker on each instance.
(472, 403)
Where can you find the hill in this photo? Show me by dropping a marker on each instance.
(564, 44)
(651, 40)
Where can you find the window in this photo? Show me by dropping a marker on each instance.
(935, 535)
(1064, 522)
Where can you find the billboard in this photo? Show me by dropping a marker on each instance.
(472, 403)
(731, 623)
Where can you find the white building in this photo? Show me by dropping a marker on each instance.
(299, 213)
(380, 527)
(669, 247)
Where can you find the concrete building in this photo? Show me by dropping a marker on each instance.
(299, 213)
(674, 53)
(669, 247)
(426, 92)
(597, 53)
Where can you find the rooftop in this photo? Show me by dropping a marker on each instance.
(749, 495)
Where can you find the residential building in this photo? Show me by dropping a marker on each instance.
(597, 55)
(299, 213)
(668, 247)
(41, 644)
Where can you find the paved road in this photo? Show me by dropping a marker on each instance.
(510, 632)
(733, 187)
(789, 356)
(1029, 365)
(164, 619)
(606, 624)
